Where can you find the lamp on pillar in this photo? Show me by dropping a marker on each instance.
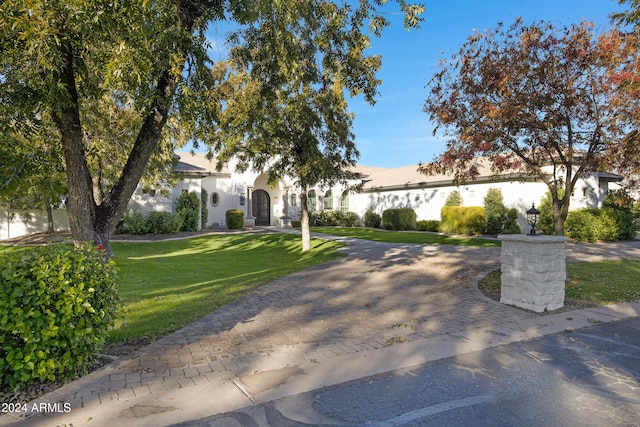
(533, 215)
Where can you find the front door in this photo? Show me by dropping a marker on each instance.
(261, 207)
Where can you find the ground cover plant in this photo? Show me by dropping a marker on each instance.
(166, 285)
(601, 283)
(406, 237)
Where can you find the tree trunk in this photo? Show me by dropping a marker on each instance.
(89, 221)
(50, 227)
(80, 202)
(560, 212)
(304, 221)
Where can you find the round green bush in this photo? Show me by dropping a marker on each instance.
(57, 307)
(235, 219)
(372, 219)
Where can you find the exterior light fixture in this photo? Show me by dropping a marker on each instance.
(533, 215)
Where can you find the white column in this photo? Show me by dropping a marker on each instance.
(533, 271)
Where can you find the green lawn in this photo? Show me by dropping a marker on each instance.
(406, 237)
(167, 285)
(603, 282)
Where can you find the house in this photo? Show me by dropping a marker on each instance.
(382, 188)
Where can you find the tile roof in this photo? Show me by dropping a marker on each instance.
(198, 164)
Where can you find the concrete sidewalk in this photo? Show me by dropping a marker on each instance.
(381, 308)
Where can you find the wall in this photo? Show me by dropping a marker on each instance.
(16, 224)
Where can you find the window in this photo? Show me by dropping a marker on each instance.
(215, 199)
(311, 201)
(344, 201)
(294, 199)
(328, 201)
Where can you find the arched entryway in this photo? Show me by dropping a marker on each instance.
(261, 207)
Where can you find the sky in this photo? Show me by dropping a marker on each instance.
(395, 131)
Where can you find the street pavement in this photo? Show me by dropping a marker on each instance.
(583, 377)
(382, 308)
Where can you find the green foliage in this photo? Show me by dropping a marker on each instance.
(134, 223)
(511, 225)
(372, 219)
(153, 222)
(432, 225)
(545, 222)
(463, 220)
(188, 207)
(499, 219)
(608, 223)
(58, 303)
(399, 219)
(343, 219)
(163, 223)
(454, 199)
(235, 219)
(204, 211)
(619, 199)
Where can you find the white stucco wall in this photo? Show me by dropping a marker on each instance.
(16, 224)
(428, 202)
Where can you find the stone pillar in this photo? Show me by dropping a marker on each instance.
(285, 220)
(533, 271)
(250, 220)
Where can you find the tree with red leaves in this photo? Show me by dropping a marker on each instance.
(533, 98)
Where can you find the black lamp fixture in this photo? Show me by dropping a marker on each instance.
(532, 218)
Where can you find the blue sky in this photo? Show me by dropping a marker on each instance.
(395, 132)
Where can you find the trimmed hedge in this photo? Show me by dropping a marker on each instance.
(235, 219)
(428, 225)
(57, 306)
(463, 219)
(399, 219)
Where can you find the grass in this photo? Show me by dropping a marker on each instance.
(603, 282)
(405, 237)
(167, 285)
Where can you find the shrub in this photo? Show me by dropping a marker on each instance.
(495, 211)
(347, 219)
(454, 199)
(463, 219)
(235, 219)
(163, 223)
(511, 225)
(343, 219)
(188, 207)
(399, 219)
(372, 219)
(58, 305)
(608, 223)
(428, 225)
(204, 211)
(135, 223)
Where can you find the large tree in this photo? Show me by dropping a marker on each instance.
(534, 98)
(286, 81)
(151, 58)
(61, 58)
